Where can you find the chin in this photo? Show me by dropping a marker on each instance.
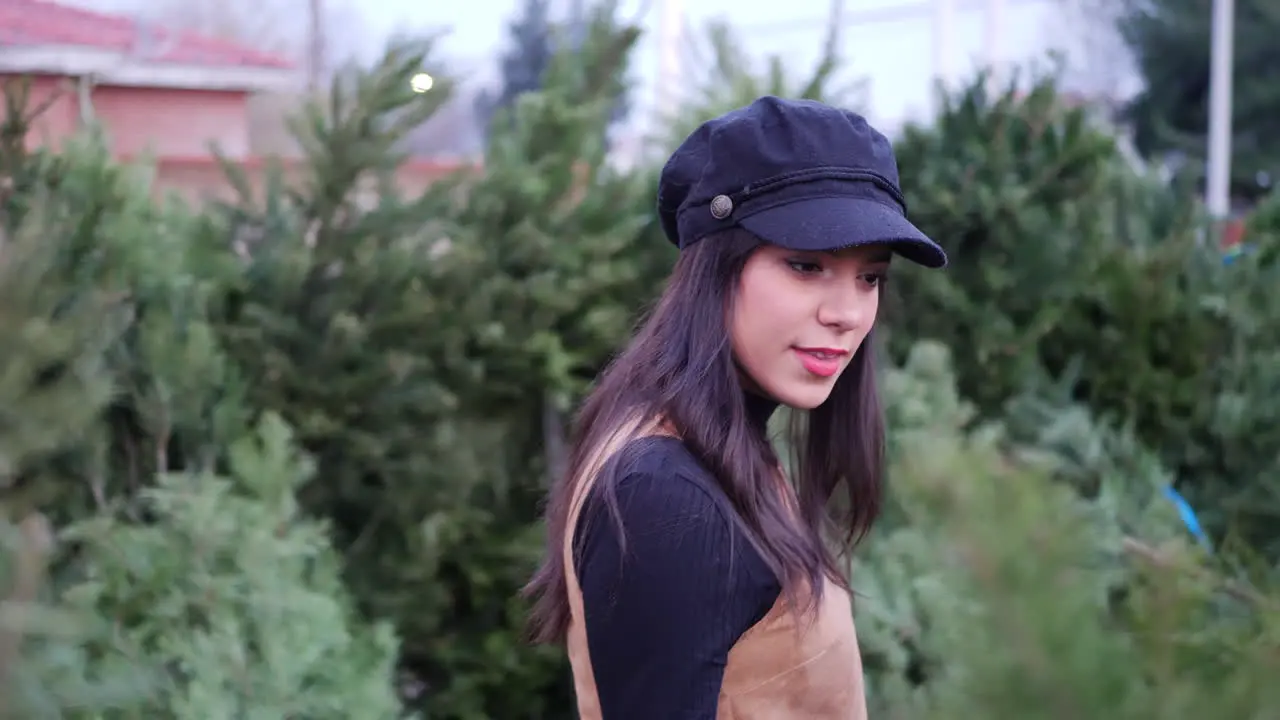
(803, 398)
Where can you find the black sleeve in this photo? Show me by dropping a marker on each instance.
(663, 610)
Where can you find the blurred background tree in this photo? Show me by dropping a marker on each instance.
(1170, 40)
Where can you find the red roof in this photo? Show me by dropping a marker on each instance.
(36, 22)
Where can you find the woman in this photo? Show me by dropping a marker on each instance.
(689, 579)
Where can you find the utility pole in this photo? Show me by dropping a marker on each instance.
(1221, 66)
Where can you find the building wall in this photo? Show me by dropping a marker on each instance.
(173, 130)
(160, 122)
(169, 123)
(60, 110)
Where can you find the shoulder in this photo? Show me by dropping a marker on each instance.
(657, 481)
(658, 512)
(661, 458)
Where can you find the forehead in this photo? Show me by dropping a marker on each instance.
(858, 253)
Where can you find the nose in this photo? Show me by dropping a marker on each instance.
(847, 309)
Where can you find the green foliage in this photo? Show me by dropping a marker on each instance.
(107, 287)
(1226, 448)
(69, 291)
(551, 268)
(1170, 41)
(1262, 231)
(424, 349)
(1072, 275)
(1005, 589)
(112, 376)
(537, 42)
(224, 603)
(55, 382)
(1004, 183)
(231, 598)
(44, 671)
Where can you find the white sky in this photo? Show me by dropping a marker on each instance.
(891, 50)
(886, 42)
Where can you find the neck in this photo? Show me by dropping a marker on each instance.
(759, 408)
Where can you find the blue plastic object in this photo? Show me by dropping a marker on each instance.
(1234, 252)
(1188, 515)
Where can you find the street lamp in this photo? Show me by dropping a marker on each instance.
(422, 82)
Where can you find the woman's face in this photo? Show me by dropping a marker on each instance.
(799, 317)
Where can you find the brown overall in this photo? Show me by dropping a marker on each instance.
(782, 668)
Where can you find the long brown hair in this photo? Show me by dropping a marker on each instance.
(679, 366)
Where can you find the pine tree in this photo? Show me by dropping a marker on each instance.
(58, 328)
(1170, 42)
(999, 587)
(98, 234)
(536, 41)
(112, 384)
(524, 64)
(533, 48)
(1116, 284)
(995, 169)
(231, 599)
(417, 344)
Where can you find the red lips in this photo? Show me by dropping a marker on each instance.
(823, 362)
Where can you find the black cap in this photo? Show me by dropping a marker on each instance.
(795, 173)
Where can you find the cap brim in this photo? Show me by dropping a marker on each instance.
(834, 223)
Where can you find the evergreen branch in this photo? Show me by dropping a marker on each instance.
(35, 545)
(1234, 588)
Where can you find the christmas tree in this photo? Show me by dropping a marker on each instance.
(424, 349)
(119, 410)
(997, 587)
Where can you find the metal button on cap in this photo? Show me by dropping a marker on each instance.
(721, 206)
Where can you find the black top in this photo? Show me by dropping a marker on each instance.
(660, 620)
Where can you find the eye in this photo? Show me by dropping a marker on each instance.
(805, 267)
(875, 279)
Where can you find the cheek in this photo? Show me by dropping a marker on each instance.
(764, 321)
(745, 335)
(873, 312)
